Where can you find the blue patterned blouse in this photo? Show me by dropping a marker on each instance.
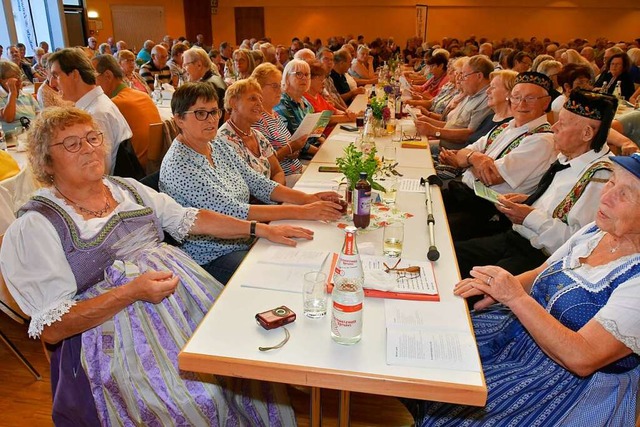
(225, 187)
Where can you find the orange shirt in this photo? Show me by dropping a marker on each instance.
(139, 111)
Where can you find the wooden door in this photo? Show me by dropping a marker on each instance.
(249, 23)
(197, 20)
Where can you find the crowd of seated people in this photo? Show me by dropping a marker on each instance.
(531, 119)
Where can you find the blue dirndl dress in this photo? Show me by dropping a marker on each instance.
(525, 386)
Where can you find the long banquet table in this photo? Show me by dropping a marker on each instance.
(226, 342)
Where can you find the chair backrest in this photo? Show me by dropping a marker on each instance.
(127, 164)
(156, 151)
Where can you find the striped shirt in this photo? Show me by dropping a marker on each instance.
(274, 129)
(148, 72)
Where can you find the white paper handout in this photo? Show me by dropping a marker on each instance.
(274, 276)
(411, 186)
(313, 124)
(415, 337)
(375, 276)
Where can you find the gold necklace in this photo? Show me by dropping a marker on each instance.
(99, 213)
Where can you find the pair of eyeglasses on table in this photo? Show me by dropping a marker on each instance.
(407, 137)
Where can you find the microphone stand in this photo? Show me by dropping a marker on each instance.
(432, 253)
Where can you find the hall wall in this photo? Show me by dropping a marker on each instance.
(559, 20)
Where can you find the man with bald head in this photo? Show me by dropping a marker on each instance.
(157, 66)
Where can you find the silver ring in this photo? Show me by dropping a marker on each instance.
(489, 281)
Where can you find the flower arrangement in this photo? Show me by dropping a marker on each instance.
(379, 108)
(355, 161)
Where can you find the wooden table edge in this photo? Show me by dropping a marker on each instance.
(336, 380)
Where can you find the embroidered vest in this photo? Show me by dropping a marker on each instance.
(562, 210)
(89, 257)
(493, 135)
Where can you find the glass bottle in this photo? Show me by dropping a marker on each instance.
(362, 202)
(617, 91)
(157, 90)
(347, 294)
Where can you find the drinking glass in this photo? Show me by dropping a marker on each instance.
(389, 154)
(393, 237)
(390, 185)
(314, 294)
(397, 135)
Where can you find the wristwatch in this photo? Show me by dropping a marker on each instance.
(252, 229)
(438, 134)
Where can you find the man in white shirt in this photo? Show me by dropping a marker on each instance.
(566, 198)
(511, 158)
(76, 80)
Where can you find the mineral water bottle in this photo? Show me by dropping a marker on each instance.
(362, 202)
(347, 295)
(157, 91)
(617, 92)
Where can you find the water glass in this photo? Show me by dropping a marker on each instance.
(392, 239)
(391, 126)
(314, 294)
(389, 154)
(397, 135)
(390, 185)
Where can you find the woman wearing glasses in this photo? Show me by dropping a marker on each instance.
(273, 127)
(293, 106)
(203, 172)
(85, 262)
(127, 61)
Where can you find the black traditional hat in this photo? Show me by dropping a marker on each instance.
(537, 79)
(592, 105)
(595, 106)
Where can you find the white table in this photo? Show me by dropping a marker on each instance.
(226, 341)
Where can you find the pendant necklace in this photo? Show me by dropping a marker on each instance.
(98, 214)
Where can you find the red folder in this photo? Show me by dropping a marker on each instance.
(375, 293)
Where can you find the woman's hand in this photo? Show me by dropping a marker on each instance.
(330, 196)
(153, 286)
(13, 85)
(298, 144)
(498, 283)
(465, 289)
(283, 234)
(321, 211)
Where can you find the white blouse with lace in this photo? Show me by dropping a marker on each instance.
(33, 261)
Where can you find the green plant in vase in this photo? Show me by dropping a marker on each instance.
(355, 161)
